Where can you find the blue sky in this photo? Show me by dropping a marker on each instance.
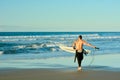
(59, 15)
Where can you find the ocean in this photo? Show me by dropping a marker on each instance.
(37, 49)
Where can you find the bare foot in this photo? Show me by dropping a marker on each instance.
(79, 68)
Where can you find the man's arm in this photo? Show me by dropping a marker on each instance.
(88, 44)
(74, 44)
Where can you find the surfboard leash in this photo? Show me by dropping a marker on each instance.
(93, 56)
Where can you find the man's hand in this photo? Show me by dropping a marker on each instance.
(96, 48)
(74, 47)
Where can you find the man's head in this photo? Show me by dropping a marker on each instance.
(80, 36)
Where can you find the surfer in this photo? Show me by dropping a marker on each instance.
(78, 46)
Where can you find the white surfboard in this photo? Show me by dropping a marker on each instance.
(70, 49)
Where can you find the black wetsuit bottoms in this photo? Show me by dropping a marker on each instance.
(79, 56)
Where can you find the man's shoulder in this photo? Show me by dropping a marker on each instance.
(83, 41)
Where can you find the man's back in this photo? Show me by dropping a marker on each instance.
(79, 44)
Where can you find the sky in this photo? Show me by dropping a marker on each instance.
(59, 15)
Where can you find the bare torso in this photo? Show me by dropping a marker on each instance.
(79, 44)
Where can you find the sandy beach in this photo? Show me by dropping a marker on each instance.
(57, 74)
(60, 69)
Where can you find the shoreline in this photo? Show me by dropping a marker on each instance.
(108, 62)
(57, 74)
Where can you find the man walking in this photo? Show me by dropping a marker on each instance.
(78, 46)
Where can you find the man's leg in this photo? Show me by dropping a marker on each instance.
(79, 59)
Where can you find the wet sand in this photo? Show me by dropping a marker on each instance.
(57, 74)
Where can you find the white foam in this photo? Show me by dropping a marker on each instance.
(61, 37)
(53, 49)
(20, 47)
(1, 52)
(35, 46)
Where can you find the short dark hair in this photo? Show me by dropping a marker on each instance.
(80, 36)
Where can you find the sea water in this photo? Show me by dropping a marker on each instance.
(41, 49)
